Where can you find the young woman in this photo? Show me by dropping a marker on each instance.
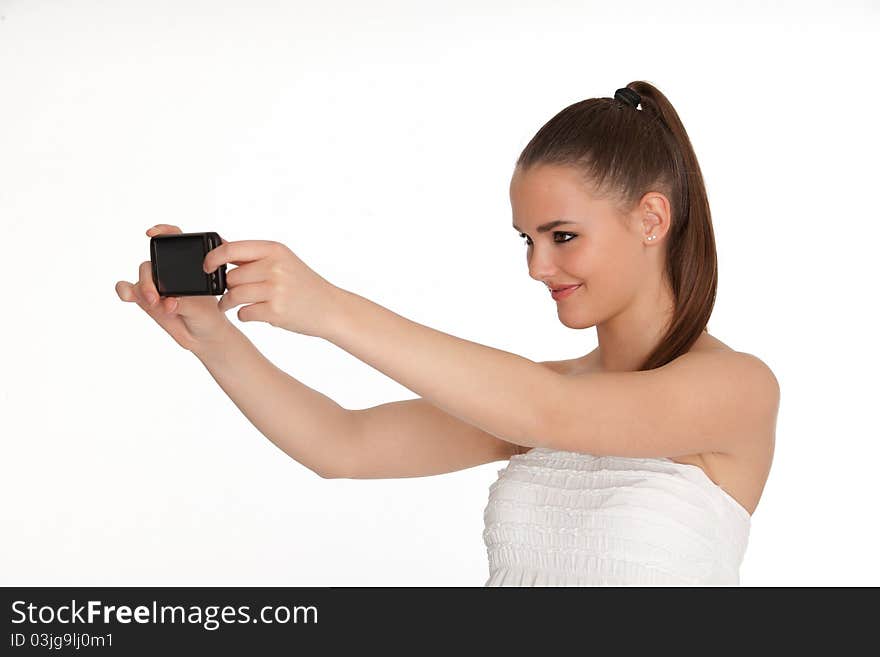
(639, 463)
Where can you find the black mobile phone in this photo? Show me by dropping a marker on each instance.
(177, 262)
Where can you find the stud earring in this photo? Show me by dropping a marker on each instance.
(652, 237)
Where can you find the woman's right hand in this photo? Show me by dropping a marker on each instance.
(195, 322)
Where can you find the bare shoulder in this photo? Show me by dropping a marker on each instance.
(768, 394)
(759, 373)
(744, 470)
(741, 470)
(762, 377)
(749, 378)
(763, 370)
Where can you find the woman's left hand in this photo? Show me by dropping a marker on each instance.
(280, 288)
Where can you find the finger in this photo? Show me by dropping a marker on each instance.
(251, 272)
(250, 293)
(123, 289)
(153, 309)
(163, 229)
(148, 289)
(133, 294)
(139, 297)
(238, 253)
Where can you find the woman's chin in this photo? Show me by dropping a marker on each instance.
(574, 322)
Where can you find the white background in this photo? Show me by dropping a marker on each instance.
(377, 141)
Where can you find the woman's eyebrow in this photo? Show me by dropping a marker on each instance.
(543, 228)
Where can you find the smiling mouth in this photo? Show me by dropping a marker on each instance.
(564, 292)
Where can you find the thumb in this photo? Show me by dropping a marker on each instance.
(194, 307)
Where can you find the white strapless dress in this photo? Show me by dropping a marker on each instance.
(559, 518)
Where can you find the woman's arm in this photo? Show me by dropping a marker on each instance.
(414, 438)
(308, 426)
(496, 391)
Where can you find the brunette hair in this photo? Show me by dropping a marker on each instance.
(624, 152)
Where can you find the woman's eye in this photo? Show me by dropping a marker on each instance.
(528, 241)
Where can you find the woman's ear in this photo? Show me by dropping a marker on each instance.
(654, 214)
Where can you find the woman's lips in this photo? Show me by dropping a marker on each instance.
(561, 294)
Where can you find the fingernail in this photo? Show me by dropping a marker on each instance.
(151, 298)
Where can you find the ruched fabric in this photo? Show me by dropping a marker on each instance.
(559, 518)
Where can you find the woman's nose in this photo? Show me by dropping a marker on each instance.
(541, 266)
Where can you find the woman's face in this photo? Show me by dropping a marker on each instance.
(597, 248)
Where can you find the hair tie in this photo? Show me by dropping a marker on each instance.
(628, 96)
